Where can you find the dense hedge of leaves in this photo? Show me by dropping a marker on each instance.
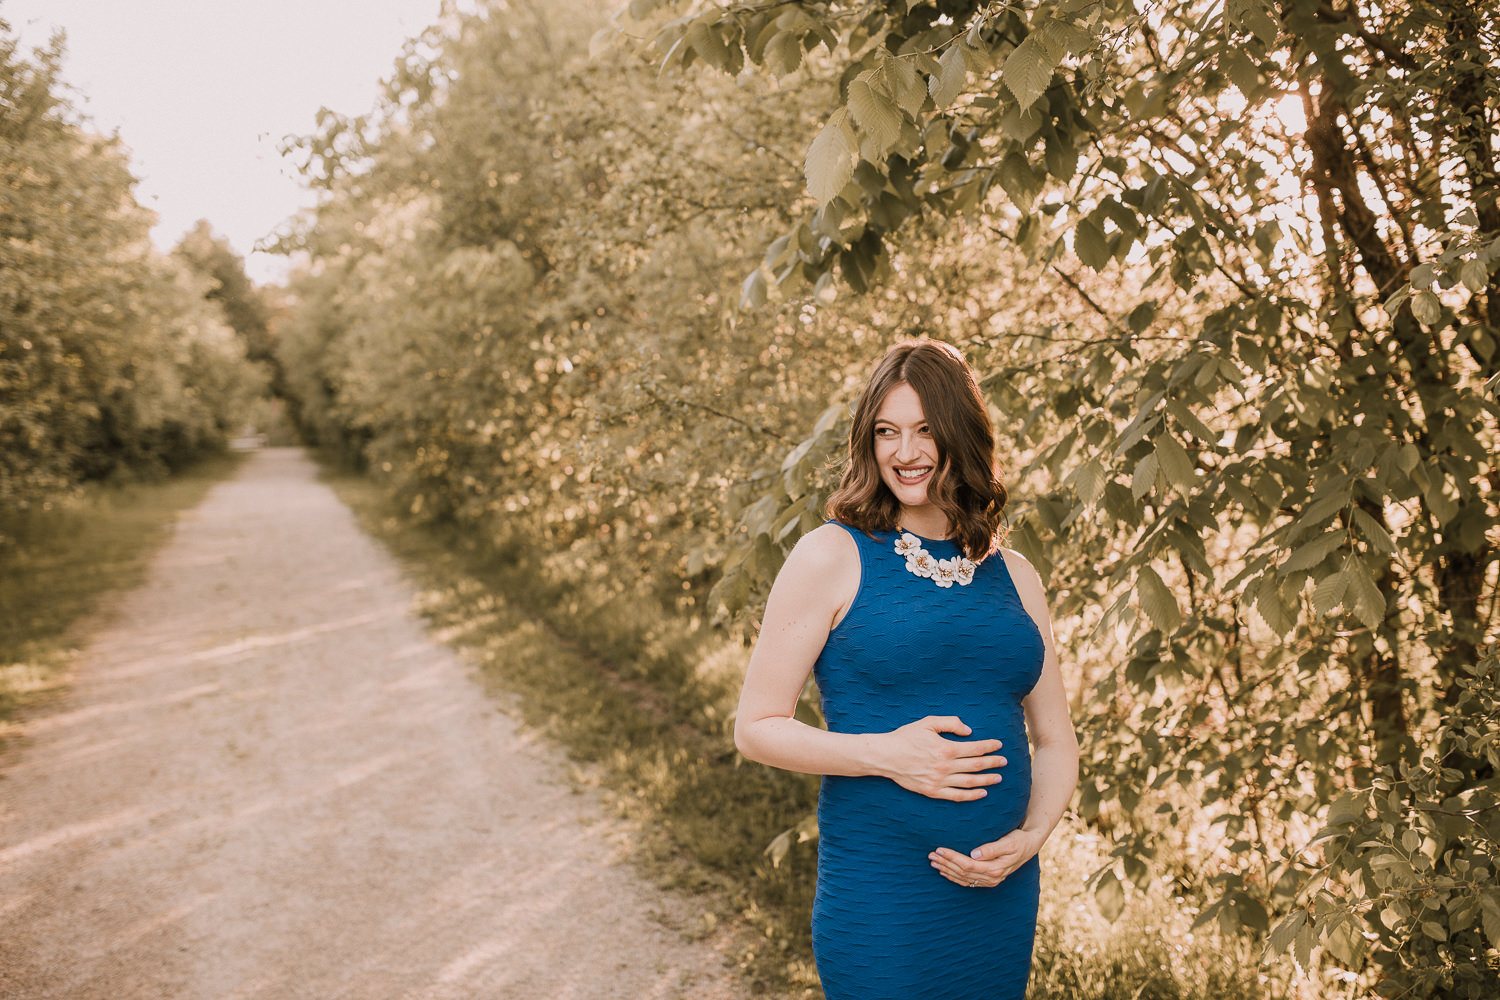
(515, 310)
(111, 359)
(1265, 496)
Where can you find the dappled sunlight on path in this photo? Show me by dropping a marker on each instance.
(270, 783)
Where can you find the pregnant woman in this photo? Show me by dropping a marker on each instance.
(949, 754)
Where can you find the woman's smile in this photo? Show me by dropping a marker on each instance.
(905, 451)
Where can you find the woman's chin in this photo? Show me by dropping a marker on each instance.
(910, 494)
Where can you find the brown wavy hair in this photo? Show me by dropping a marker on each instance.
(966, 486)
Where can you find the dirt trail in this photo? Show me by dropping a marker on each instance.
(269, 782)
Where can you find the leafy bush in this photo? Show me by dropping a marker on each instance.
(1411, 861)
(111, 361)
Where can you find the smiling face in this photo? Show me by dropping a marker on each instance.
(922, 452)
(906, 453)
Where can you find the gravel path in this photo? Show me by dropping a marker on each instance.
(269, 782)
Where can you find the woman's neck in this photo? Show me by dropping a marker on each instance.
(929, 522)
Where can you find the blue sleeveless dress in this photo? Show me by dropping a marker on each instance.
(886, 925)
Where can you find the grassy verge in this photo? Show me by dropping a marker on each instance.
(58, 560)
(651, 717)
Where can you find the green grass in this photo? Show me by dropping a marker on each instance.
(58, 560)
(647, 708)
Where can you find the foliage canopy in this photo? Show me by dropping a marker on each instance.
(1264, 464)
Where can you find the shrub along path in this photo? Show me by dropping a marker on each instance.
(269, 782)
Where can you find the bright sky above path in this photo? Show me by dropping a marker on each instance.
(204, 91)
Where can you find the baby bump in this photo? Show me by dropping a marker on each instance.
(867, 813)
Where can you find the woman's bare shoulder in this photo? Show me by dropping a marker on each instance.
(1027, 580)
(826, 549)
(819, 578)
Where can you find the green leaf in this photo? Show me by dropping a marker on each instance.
(1157, 601)
(732, 591)
(1018, 125)
(826, 289)
(1267, 234)
(830, 158)
(948, 82)
(1028, 70)
(1062, 37)
(710, 47)
(1176, 464)
(797, 454)
(1309, 554)
(906, 83)
(1303, 946)
(1144, 477)
(602, 40)
(789, 521)
(1427, 308)
(1393, 304)
(1142, 316)
(1475, 275)
(753, 291)
(1365, 598)
(778, 252)
(1329, 592)
(1242, 72)
(1347, 808)
(1110, 895)
(1346, 943)
(1019, 182)
(1489, 905)
(1256, 17)
(1089, 480)
(1374, 532)
(761, 515)
(875, 115)
(777, 849)
(1190, 420)
(1408, 458)
(1443, 507)
(1090, 245)
(784, 53)
(1272, 609)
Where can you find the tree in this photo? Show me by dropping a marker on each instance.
(514, 296)
(245, 308)
(108, 364)
(1262, 467)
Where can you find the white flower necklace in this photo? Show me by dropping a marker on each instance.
(920, 562)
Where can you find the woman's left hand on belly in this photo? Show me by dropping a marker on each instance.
(988, 864)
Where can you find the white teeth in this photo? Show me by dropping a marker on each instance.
(913, 473)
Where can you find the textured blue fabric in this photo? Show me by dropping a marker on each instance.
(886, 925)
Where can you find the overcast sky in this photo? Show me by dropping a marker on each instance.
(203, 91)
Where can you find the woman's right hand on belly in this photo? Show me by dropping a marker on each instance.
(918, 758)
